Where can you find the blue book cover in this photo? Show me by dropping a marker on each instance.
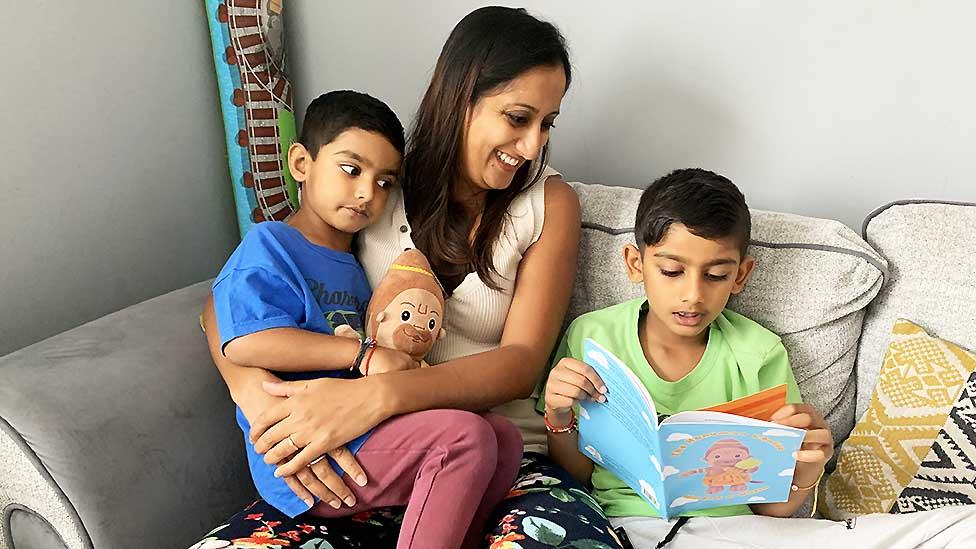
(691, 460)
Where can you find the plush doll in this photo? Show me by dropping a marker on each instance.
(406, 311)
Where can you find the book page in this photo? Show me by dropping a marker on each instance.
(705, 416)
(621, 434)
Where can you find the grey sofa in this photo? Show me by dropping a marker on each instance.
(120, 434)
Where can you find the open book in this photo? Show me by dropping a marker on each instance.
(691, 460)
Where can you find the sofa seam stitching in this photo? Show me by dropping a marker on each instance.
(32, 457)
(881, 209)
(8, 512)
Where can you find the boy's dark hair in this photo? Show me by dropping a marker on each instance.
(330, 114)
(708, 204)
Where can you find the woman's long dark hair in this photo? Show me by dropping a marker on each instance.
(488, 48)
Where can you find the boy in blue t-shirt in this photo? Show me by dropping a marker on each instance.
(289, 285)
(692, 232)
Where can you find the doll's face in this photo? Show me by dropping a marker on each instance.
(726, 456)
(411, 322)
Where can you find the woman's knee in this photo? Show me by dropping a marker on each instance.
(462, 430)
(507, 436)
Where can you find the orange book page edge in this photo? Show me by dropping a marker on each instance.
(761, 405)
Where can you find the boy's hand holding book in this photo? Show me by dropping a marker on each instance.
(570, 382)
(818, 444)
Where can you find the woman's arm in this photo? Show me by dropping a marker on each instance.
(478, 382)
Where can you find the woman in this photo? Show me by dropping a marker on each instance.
(501, 232)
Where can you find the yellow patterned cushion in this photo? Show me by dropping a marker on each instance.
(921, 379)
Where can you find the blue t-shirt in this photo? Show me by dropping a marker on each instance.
(278, 279)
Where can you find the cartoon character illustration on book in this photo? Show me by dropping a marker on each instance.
(729, 464)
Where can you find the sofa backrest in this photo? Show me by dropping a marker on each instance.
(929, 246)
(813, 279)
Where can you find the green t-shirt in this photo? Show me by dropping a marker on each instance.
(741, 358)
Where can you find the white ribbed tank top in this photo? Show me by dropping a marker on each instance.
(476, 314)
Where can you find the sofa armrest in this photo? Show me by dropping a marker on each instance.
(120, 433)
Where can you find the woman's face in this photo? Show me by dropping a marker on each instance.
(509, 127)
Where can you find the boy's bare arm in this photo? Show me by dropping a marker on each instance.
(807, 476)
(787, 508)
(292, 350)
(297, 350)
(564, 450)
(570, 381)
(244, 384)
(783, 509)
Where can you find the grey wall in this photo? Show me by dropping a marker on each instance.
(115, 185)
(825, 108)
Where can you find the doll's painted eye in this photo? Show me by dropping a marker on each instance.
(405, 316)
(432, 324)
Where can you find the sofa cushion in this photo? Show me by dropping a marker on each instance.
(929, 248)
(125, 416)
(813, 279)
(921, 379)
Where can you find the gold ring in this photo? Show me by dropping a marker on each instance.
(292, 441)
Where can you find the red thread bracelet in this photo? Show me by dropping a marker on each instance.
(557, 430)
(369, 356)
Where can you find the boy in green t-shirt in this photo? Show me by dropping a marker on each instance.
(690, 352)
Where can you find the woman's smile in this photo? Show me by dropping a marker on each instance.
(508, 162)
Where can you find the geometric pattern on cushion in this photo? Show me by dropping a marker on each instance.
(947, 475)
(921, 379)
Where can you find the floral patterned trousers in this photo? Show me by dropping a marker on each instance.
(546, 508)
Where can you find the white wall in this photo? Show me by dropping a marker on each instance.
(114, 183)
(826, 108)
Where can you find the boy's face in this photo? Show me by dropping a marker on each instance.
(688, 280)
(347, 184)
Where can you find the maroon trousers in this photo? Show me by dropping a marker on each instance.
(449, 467)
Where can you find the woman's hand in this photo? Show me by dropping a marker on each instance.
(570, 382)
(319, 416)
(818, 444)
